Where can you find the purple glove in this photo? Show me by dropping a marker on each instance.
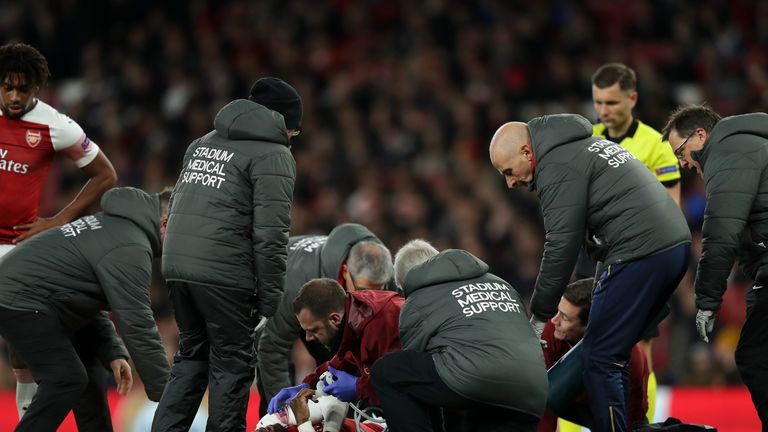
(344, 385)
(283, 397)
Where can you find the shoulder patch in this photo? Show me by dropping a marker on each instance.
(666, 169)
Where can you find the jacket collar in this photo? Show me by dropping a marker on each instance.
(630, 133)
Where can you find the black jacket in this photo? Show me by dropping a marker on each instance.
(98, 262)
(594, 191)
(734, 162)
(231, 207)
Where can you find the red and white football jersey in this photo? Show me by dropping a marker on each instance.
(27, 147)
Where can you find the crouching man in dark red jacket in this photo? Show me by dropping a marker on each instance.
(365, 323)
(563, 332)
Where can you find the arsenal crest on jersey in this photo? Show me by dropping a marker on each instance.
(33, 137)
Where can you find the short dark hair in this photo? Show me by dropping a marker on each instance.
(687, 118)
(26, 60)
(612, 73)
(580, 294)
(322, 296)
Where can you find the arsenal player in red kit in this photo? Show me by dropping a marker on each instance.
(31, 133)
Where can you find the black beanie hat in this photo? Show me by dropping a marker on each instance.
(279, 96)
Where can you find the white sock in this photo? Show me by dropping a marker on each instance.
(24, 394)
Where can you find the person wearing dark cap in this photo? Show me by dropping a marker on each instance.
(225, 252)
(279, 96)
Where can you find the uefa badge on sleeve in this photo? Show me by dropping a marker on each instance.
(33, 137)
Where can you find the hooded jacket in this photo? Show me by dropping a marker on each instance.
(230, 209)
(98, 262)
(594, 191)
(309, 257)
(369, 331)
(734, 162)
(477, 330)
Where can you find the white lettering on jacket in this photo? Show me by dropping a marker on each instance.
(85, 223)
(615, 154)
(208, 168)
(480, 297)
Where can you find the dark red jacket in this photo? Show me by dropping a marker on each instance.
(370, 330)
(637, 405)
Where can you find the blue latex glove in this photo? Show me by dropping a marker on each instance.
(283, 397)
(344, 385)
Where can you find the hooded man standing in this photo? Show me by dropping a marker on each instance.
(561, 334)
(591, 188)
(225, 254)
(61, 279)
(731, 155)
(467, 345)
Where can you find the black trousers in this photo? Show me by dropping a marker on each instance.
(46, 347)
(91, 411)
(412, 394)
(750, 352)
(216, 350)
(263, 402)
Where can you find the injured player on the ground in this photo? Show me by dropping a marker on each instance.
(313, 410)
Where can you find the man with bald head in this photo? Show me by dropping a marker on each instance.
(594, 192)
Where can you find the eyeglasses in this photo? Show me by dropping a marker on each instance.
(679, 150)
